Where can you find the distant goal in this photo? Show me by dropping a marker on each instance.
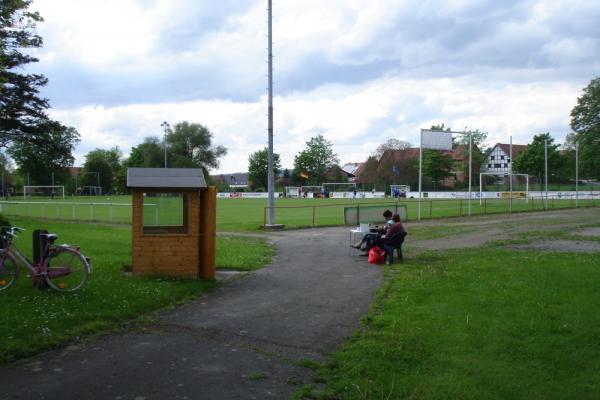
(44, 191)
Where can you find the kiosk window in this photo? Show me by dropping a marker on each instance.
(165, 213)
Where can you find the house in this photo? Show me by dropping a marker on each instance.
(498, 160)
(237, 180)
(338, 174)
(352, 169)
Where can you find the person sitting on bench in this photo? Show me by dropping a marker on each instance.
(372, 237)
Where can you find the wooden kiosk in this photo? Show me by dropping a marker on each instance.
(173, 222)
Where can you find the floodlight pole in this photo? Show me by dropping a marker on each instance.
(510, 171)
(165, 126)
(420, 172)
(270, 172)
(546, 171)
(576, 174)
(470, 168)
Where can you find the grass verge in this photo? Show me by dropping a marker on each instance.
(34, 320)
(472, 324)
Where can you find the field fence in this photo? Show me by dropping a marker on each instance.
(349, 214)
(74, 211)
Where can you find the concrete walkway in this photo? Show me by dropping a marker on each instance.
(241, 341)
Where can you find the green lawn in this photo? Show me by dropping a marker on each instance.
(34, 320)
(489, 323)
(248, 214)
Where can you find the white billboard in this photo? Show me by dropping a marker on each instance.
(436, 140)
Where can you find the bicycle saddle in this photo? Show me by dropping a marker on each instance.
(51, 237)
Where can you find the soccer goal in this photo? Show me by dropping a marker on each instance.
(309, 191)
(504, 185)
(343, 189)
(292, 191)
(46, 191)
(91, 191)
(397, 191)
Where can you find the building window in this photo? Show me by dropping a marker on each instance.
(497, 165)
(502, 157)
(492, 157)
(489, 165)
(165, 212)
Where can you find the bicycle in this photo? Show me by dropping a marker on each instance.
(63, 268)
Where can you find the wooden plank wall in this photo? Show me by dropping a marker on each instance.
(175, 255)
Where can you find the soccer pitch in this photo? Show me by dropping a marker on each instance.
(242, 214)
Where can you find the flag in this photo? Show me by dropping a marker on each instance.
(395, 170)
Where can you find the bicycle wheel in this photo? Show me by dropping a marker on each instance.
(66, 270)
(9, 271)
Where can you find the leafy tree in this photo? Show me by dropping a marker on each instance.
(311, 164)
(104, 166)
(22, 111)
(368, 172)
(148, 154)
(478, 139)
(391, 144)
(437, 165)
(585, 121)
(531, 160)
(52, 155)
(258, 168)
(190, 146)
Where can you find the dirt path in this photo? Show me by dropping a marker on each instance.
(476, 232)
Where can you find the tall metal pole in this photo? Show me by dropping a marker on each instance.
(470, 167)
(546, 170)
(510, 176)
(576, 174)
(420, 172)
(270, 176)
(165, 126)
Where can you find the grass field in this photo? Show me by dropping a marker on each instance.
(34, 320)
(248, 214)
(485, 323)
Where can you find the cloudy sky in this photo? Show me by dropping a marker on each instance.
(357, 71)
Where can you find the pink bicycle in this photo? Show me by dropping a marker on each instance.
(63, 268)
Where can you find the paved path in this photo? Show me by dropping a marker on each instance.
(238, 342)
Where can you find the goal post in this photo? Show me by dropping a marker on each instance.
(308, 191)
(339, 187)
(48, 190)
(293, 191)
(501, 176)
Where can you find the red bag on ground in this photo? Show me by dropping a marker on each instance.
(376, 255)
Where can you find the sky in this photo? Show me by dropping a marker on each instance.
(359, 72)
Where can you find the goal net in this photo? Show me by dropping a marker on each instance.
(90, 191)
(44, 191)
(310, 191)
(292, 191)
(397, 191)
(492, 185)
(343, 189)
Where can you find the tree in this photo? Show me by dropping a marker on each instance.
(258, 168)
(531, 160)
(478, 139)
(22, 111)
(148, 154)
(53, 155)
(585, 121)
(312, 163)
(102, 168)
(437, 165)
(390, 144)
(190, 146)
(368, 172)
